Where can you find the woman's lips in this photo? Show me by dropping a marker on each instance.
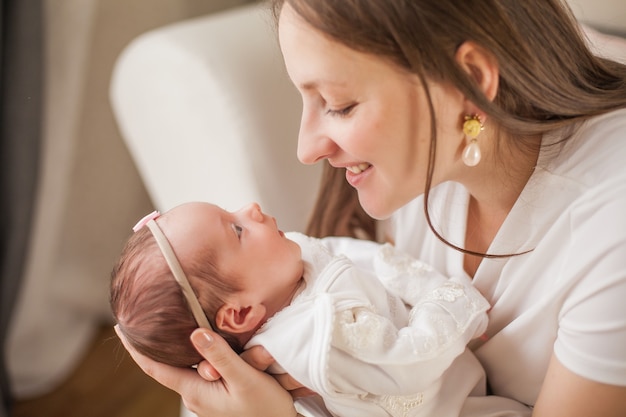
(356, 173)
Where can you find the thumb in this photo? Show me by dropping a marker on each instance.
(218, 353)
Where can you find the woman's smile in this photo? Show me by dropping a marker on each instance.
(357, 173)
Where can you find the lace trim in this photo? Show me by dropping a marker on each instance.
(359, 329)
(398, 406)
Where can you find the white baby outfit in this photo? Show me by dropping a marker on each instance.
(389, 344)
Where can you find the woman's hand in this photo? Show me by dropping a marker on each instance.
(260, 359)
(241, 390)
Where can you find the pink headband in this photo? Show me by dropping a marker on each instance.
(177, 270)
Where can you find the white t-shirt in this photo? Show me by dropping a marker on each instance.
(568, 295)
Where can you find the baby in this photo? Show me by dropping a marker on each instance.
(363, 326)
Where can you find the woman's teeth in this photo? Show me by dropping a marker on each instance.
(357, 169)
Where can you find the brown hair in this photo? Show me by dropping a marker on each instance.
(148, 304)
(548, 76)
(337, 211)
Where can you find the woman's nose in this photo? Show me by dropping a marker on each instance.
(313, 143)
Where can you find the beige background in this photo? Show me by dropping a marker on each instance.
(89, 191)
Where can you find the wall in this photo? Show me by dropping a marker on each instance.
(607, 15)
(89, 190)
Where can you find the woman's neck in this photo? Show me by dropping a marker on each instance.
(494, 187)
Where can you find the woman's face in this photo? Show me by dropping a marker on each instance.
(365, 115)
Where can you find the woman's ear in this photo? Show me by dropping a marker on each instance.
(481, 65)
(235, 319)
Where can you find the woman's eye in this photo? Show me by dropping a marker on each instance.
(238, 230)
(341, 112)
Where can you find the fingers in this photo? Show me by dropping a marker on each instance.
(169, 376)
(221, 361)
(295, 388)
(258, 357)
(241, 390)
(220, 357)
(208, 372)
(301, 393)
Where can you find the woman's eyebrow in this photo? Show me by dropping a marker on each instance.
(314, 85)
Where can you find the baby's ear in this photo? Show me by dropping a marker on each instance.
(237, 319)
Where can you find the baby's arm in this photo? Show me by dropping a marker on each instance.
(413, 280)
(381, 358)
(445, 314)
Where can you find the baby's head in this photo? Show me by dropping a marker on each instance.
(241, 268)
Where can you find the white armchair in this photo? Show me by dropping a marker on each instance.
(208, 113)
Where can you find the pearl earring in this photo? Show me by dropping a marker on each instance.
(472, 127)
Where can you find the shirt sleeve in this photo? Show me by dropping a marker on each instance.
(591, 337)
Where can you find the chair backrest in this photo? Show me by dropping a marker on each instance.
(209, 114)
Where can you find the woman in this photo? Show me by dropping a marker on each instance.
(494, 141)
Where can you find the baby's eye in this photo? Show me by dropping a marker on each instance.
(238, 229)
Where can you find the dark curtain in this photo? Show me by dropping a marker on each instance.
(21, 61)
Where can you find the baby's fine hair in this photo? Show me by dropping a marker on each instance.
(148, 304)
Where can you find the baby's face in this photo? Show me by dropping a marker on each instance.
(248, 245)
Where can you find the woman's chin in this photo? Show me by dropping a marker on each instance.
(382, 204)
(375, 207)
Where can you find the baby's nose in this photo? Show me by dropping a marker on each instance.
(255, 212)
